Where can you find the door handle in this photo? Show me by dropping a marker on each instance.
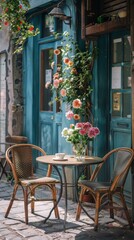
(123, 125)
(52, 117)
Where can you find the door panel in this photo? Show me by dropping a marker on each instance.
(50, 114)
(120, 126)
(120, 91)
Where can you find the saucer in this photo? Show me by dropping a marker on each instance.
(57, 159)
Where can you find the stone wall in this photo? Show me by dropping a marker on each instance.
(17, 106)
(13, 78)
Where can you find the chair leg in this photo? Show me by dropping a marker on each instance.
(111, 206)
(32, 190)
(26, 204)
(56, 211)
(3, 168)
(126, 210)
(12, 200)
(78, 211)
(97, 209)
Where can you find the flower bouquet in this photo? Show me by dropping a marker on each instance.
(79, 135)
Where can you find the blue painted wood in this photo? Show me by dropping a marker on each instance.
(39, 127)
(40, 3)
(115, 131)
(28, 88)
(100, 97)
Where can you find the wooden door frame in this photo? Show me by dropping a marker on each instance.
(132, 80)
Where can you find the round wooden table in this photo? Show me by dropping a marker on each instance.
(67, 161)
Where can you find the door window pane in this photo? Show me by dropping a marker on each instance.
(117, 50)
(116, 104)
(126, 103)
(127, 49)
(126, 77)
(59, 24)
(50, 25)
(46, 79)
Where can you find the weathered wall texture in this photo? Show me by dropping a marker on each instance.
(13, 78)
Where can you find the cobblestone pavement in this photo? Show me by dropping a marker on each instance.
(15, 228)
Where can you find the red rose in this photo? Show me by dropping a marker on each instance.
(18, 27)
(31, 28)
(6, 23)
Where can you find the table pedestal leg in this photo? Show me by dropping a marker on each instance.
(60, 194)
(65, 188)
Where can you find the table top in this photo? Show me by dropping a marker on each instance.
(69, 160)
(7, 143)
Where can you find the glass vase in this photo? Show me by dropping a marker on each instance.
(79, 150)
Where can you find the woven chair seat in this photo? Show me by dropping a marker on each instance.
(35, 180)
(96, 186)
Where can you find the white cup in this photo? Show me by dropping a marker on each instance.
(60, 155)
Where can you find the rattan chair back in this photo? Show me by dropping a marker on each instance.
(20, 158)
(123, 161)
(104, 193)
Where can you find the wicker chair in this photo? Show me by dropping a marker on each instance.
(20, 157)
(10, 140)
(104, 192)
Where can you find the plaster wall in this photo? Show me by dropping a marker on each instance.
(13, 92)
(5, 47)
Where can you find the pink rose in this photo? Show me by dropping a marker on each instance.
(79, 125)
(91, 132)
(57, 51)
(76, 117)
(47, 84)
(87, 125)
(69, 115)
(56, 83)
(82, 132)
(97, 131)
(66, 60)
(77, 103)
(63, 92)
(56, 75)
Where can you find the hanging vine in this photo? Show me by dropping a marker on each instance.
(13, 17)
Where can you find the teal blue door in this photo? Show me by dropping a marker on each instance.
(120, 91)
(120, 103)
(114, 98)
(50, 116)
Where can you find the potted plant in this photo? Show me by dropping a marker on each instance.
(86, 197)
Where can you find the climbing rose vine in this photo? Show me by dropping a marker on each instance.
(13, 17)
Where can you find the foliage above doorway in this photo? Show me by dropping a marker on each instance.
(72, 78)
(13, 17)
